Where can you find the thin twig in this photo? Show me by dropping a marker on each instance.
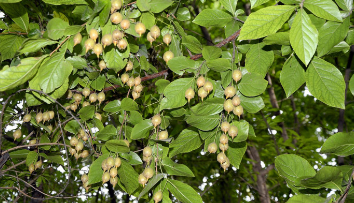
(56, 49)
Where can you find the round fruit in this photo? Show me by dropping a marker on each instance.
(101, 97)
(79, 146)
(38, 164)
(224, 139)
(70, 94)
(140, 28)
(155, 31)
(156, 120)
(86, 92)
(93, 34)
(102, 65)
(113, 172)
(110, 162)
(233, 131)
(45, 116)
(89, 44)
(107, 40)
(147, 159)
(115, 5)
(73, 107)
(148, 173)
(117, 35)
(97, 49)
(117, 162)
(138, 88)
(31, 168)
(73, 141)
(212, 147)
(105, 177)
(167, 39)
(116, 18)
(113, 181)
(142, 180)
(17, 134)
(77, 39)
(122, 44)
(32, 142)
(236, 101)
(147, 151)
(124, 78)
(93, 97)
(84, 178)
(85, 137)
(200, 81)
(189, 94)
(228, 106)
(84, 154)
(157, 196)
(129, 66)
(229, 92)
(72, 151)
(104, 165)
(78, 97)
(223, 147)
(225, 126)
(237, 75)
(208, 86)
(131, 82)
(125, 24)
(168, 55)
(221, 157)
(135, 95)
(39, 117)
(137, 81)
(98, 116)
(163, 135)
(51, 114)
(150, 38)
(226, 164)
(238, 110)
(81, 133)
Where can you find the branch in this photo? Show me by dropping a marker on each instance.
(269, 168)
(56, 49)
(344, 195)
(32, 145)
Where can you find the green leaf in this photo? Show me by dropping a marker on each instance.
(175, 92)
(192, 44)
(157, 6)
(132, 158)
(211, 52)
(9, 1)
(143, 5)
(65, 2)
(306, 199)
(56, 159)
(128, 176)
(135, 117)
(255, 3)
(96, 172)
(340, 144)
(106, 133)
(161, 84)
(183, 192)
(258, 61)
(17, 13)
(219, 65)
(351, 85)
(326, 9)
(229, 5)
(11, 77)
(236, 152)
(98, 83)
(183, 14)
(77, 62)
(44, 139)
(32, 157)
(327, 177)
(113, 106)
(152, 182)
(243, 130)
(212, 17)
(54, 72)
(73, 30)
(211, 106)
(128, 104)
(340, 47)
(117, 146)
(19, 154)
(281, 38)
(35, 45)
(251, 104)
(180, 63)
(252, 85)
(203, 122)
(292, 76)
(318, 22)
(326, 83)
(293, 167)
(187, 141)
(346, 5)
(303, 37)
(173, 168)
(9, 45)
(148, 19)
(265, 21)
(87, 112)
(72, 126)
(141, 130)
(56, 28)
(330, 35)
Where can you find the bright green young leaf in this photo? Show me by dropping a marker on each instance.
(211, 52)
(114, 60)
(232, 27)
(132, 158)
(258, 61)
(326, 83)
(128, 104)
(183, 14)
(261, 23)
(95, 173)
(113, 106)
(106, 133)
(229, 5)
(212, 17)
(11, 77)
(351, 85)
(326, 9)
(346, 5)
(180, 63)
(340, 47)
(56, 28)
(251, 104)
(117, 146)
(157, 6)
(188, 140)
(34, 45)
(219, 65)
(143, 5)
(281, 38)
(203, 122)
(44, 139)
(72, 126)
(73, 30)
(9, 45)
(173, 168)
(340, 144)
(161, 84)
(65, 2)
(128, 176)
(19, 154)
(211, 106)
(17, 13)
(148, 20)
(152, 182)
(32, 157)
(316, 21)
(255, 3)
(142, 129)
(175, 92)
(327, 177)
(9, 1)
(292, 76)
(183, 192)
(98, 83)
(192, 44)
(252, 85)
(302, 198)
(87, 112)
(77, 62)
(243, 130)
(235, 153)
(56, 159)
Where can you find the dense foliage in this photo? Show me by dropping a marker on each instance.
(176, 101)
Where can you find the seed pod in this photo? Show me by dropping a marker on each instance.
(221, 158)
(51, 114)
(155, 31)
(73, 141)
(223, 147)
(38, 164)
(27, 118)
(131, 82)
(233, 131)
(230, 91)
(147, 151)
(200, 81)
(116, 18)
(157, 196)
(138, 88)
(107, 40)
(31, 168)
(77, 39)
(32, 142)
(129, 66)
(226, 164)
(236, 101)
(79, 146)
(125, 24)
(86, 92)
(110, 162)
(105, 177)
(117, 162)
(163, 135)
(142, 179)
(167, 39)
(115, 5)
(85, 154)
(156, 120)
(150, 38)
(45, 116)
(98, 116)
(113, 181)
(168, 55)
(113, 172)
(135, 95)
(72, 151)
(147, 159)
(225, 126)
(228, 106)
(93, 34)
(238, 110)
(17, 134)
(122, 44)
(208, 86)
(137, 81)
(77, 97)
(97, 49)
(148, 173)
(104, 165)
(117, 35)
(70, 94)
(101, 97)
(124, 78)
(140, 28)
(212, 147)
(84, 178)
(224, 139)
(73, 107)
(89, 44)
(93, 97)
(189, 94)
(39, 117)
(237, 75)
(85, 103)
